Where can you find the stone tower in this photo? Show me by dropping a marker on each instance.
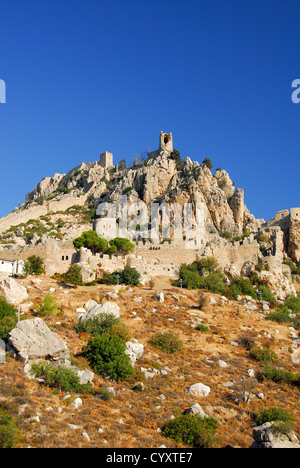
(106, 160)
(166, 142)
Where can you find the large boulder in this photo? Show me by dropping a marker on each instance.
(266, 436)
(14, 292)
(134, 350)
(198, 389)
(31, 339)
(106, 308)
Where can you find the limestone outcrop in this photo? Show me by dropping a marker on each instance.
(31, 339)
(238, 240)
(266, 436)
(14, 292)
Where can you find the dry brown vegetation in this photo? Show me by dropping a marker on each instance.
(143, 413)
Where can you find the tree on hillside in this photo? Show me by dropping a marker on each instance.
(91, 240)
(207, 162)
(175, 155)
(34, 265)
(120, 246)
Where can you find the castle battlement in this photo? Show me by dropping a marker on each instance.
(106, 160)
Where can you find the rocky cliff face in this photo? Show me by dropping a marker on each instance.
(233, 235)
(158, 179)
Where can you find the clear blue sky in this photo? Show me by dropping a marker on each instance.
(85, 76)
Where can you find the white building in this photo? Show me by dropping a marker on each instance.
(12, 267)
(106, 227)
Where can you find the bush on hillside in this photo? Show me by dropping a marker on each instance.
(167, 342)
(192, 430)
(129, 276)
(106, 323)
(73, 276)
(34, 265)
(91, 240)
(8, 318)
(106, 353)
(273, 414)
(48, 306)
(61, 378)
(9, 433)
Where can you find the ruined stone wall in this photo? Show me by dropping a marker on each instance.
(32, 212)
(57, 258)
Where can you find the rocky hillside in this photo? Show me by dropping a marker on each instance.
(161, 178)
(217, 371)
(60, 208)
(233, 361)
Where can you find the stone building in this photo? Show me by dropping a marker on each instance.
(166, 142)
(106, 160)
(106, 227)
(11, 267)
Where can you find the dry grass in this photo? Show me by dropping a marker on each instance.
(133, 419)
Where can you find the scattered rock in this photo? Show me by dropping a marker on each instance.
(198, 389)
(266, 437)
(14, 292)
(77, 403)
(196, 409)
(89, 304)
(222, 364)
(31, 339)
(161, 297)
(134, 350)
(106, 308)
(85, 435)
(112, 295)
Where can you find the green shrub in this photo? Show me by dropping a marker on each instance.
(192, 430)
(97, 325)
(213, 282)
(91, 240)
(7, 324)
(9, 433)
(264, 356)
(167, 342)
(280, 316)
(129, 276)
(73, 275)
(106, 323)
(207, 162)
(208, 265)
(189, 275)
(279, 376)
(175, 155)
(105, 393)
(60, 378)
(202, 328)
(273, 414)
(34, 265)
(6, 309)
(283, 316)
(120, 246)
(293, 303)
(267, 294)
(48, 307)
(242, 286)
(205, 274)
(127, 190)
(106, 353)
(8, 318)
